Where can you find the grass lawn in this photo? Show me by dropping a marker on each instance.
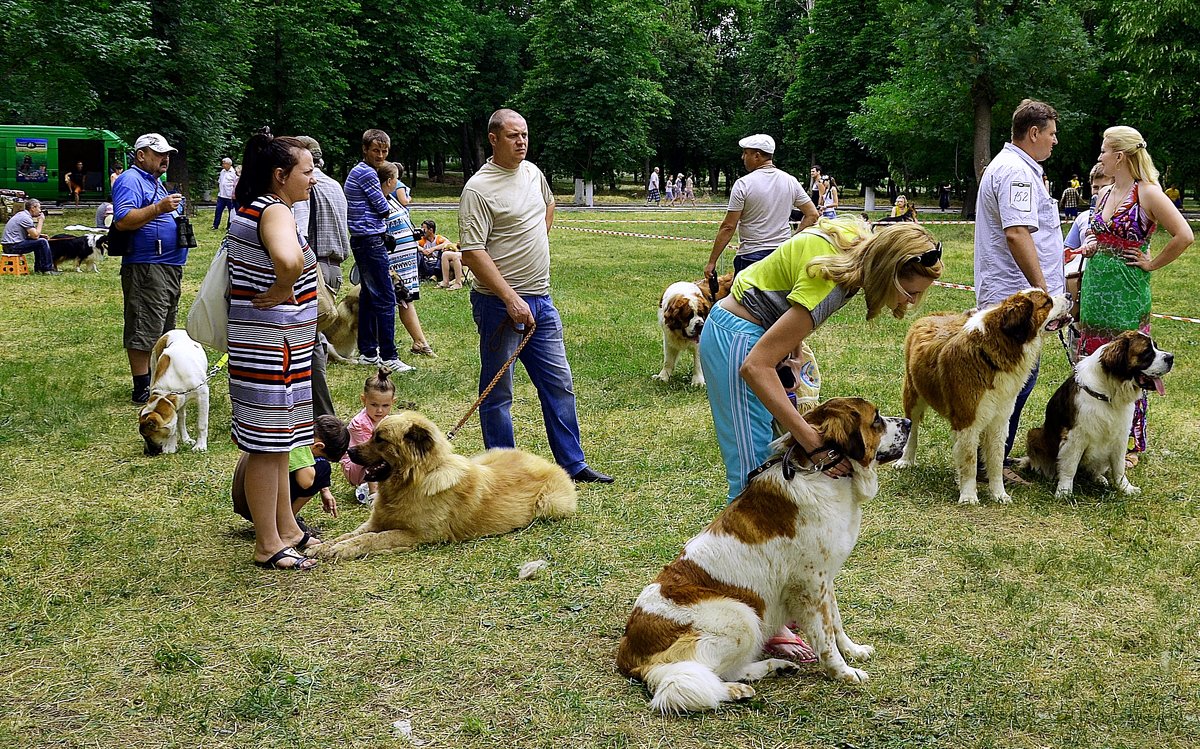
(132, 616)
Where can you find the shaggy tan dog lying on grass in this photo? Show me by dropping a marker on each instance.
(429, 493)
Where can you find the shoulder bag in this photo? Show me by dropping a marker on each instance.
(208, 319)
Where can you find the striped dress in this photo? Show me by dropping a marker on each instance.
(270, 350)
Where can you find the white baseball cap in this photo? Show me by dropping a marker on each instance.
(154, 142)
(764, 143)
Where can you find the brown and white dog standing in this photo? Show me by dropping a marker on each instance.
(1088, 417)
(428, 493)
(970, 367)
(682, 310)
(179, 375)
(769, 558)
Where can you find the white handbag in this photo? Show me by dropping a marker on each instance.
(208, 319)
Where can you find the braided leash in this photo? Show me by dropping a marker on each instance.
(508, 322)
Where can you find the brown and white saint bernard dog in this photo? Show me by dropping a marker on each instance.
(179, 371)
(970, 367)
(681, 314)
(770, 558)
(1088, 417)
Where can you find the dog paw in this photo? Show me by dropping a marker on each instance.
(1003, 498)
(738, 691)
(856, 652)
(968, 499)
(662, 376)
(849, 675)
(903, 463)
(697, 382)
(1102, 481)
(1064, 492)
(188, 441)
(1130, 489)
(780, 667)
(200, 446)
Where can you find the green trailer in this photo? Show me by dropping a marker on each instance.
(37, 158)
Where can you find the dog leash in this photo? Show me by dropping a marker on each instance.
(508, 323)
(212, 372)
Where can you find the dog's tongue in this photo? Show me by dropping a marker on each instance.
(1159, 387)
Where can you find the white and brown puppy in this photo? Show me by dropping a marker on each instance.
(1088, 417)
(682, 310)
(179, 369)
(341, 333)
(87, 250)
(428, 493)
(970, 369)
(697, 632)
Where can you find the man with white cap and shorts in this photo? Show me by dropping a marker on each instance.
(760, 206)
(152, 267)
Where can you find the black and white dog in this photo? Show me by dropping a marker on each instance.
(1088, 417)
(85, 250)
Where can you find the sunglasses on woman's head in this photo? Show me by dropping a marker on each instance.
(931, 257)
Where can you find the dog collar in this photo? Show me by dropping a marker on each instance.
(790, 466)
(1093, 393)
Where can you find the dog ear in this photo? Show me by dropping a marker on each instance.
(1116, 358)
(842, 427)
(421, 439)
(1016, 317)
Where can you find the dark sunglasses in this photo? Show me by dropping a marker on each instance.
(931, 257)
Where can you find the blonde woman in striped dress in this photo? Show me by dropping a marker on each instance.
(272, 328)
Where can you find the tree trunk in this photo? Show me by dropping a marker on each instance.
(983, 134)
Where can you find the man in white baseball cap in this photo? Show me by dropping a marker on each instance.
(152, 265)
(154, 142)
(760, 205)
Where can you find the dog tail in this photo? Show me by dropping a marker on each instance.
(684, 686)
(558, 501)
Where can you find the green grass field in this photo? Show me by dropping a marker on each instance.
(132, 616)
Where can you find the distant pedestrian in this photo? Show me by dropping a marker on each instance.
(76, 181)
(1070, 201)
(829, 197)
(689, 189)
(944, 197)
(226, 179)
(652, 189)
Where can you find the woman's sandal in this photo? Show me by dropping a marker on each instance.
(298, 562)
(1131, 461)
(307, 541)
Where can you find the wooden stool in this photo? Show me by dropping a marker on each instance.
(13, 265)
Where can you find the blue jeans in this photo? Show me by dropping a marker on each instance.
(222, 205)
(1016, 414)
(742, 262)
(545, 360)
(43, 260)
(376, 299)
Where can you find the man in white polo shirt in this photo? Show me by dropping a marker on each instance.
(1018, 240)
(760, 205)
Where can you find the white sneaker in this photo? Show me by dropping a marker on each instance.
(395, 365)
(373, 361)
(362, 494)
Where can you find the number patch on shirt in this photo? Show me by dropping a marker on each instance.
(1020, 196)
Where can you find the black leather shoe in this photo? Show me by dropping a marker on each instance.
(588, 476)
(140, 396)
